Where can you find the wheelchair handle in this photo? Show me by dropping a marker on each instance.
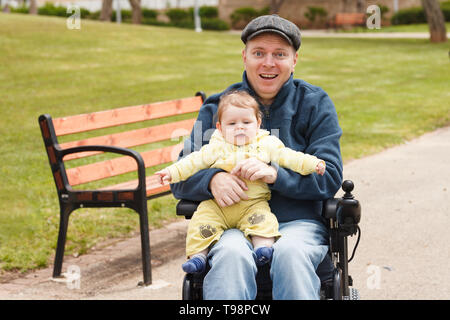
(348, 187)
(349, 209)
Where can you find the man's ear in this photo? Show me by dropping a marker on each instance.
(295, 61)
(244, 55)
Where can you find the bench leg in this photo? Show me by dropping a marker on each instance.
(145, 244)
(59, 256)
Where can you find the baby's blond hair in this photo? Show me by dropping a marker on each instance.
(240, 99)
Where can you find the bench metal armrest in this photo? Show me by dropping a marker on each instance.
(112, 149)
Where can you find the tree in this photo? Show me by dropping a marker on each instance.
(107, 9)
(33, 7)
(136, 14)
(275, 6)
(436, 21)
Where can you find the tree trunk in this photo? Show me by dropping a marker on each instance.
(107, 9)
(436, 22)
(136, 15)
(33, 7)
(275, 6)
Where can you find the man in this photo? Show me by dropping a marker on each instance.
(305, 119)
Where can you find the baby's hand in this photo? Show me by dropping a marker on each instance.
(320, 169)
(164, 175)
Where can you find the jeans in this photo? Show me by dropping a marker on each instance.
(301, 248)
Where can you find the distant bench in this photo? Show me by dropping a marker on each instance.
(349, 19)
(131, 194)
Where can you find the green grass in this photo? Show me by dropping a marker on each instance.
(385, 92)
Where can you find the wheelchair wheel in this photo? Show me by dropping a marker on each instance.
(337, 284)
(354, 294)
(187, 287)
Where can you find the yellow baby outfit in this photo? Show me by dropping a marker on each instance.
(252, 216)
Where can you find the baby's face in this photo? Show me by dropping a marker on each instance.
(238, 125)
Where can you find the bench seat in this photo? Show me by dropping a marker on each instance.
(131, 194)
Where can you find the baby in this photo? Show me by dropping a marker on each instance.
(238, 137)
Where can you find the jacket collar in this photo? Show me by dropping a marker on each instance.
(281, 95)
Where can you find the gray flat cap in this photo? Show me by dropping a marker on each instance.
(272, 23)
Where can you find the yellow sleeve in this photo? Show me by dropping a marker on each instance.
(297, 161)
(194, 162)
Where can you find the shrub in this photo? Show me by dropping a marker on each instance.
(242, 16)
(315, 12)
(205, 12)
(49, 9)
(417, 15)
(21, 9)
(178, 15)
(149, 13)
(445, 6)
(316, 16)
(409, 16)
(184, 18)
(208, 12)
(125, 15)
(214, 24)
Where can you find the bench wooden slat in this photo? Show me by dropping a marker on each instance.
(132, 138)
(350, 18)
(110, 168)
(111, 118)
(153, 184)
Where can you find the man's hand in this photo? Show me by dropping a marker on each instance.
(227, 189)
(253, 169)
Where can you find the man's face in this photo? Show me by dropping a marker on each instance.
(269, 60)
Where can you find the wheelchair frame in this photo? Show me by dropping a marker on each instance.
(342, 214)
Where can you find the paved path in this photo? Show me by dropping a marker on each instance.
(405, 193)
(403, 253)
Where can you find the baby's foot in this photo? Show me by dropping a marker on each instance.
(263, 255)
(197, 264)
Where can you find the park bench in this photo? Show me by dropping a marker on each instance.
(349, 19)
(131, 194)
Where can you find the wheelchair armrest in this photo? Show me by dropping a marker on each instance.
(345, 211)
(330, 207)
(187, 208)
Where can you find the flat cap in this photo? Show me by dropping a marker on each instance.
(272, 23)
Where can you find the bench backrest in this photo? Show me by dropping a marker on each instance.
(353, 18)
(126, 139)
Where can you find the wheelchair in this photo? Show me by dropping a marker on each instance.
(342, 214)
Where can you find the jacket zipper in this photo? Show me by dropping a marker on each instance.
(267, 117)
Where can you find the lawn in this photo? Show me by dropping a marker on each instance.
(385, 91)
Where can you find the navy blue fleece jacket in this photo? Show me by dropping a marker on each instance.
(304, 118)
